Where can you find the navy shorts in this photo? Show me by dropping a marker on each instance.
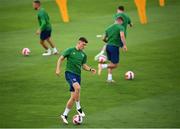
(72, 78)
(45, 34)
(112, 54)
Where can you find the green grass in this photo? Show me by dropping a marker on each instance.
(31, 95)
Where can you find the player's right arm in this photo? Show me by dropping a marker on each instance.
(129, 22)
(64, 55)
(123, 40)
(58, 67)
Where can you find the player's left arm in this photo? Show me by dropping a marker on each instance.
(129, 22)
(104, 38)
(88, 68)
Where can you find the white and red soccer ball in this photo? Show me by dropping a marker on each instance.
(102, 59)
(129, 75)
(26, 51)
(77, 119)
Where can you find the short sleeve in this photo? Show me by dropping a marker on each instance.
(84, 59)
(66, 52)
(122, 29)
(129, 20)
(43, 21)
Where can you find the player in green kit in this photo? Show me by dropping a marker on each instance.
(45, 29)
(76, 59)
(115, 38)
(127, 20)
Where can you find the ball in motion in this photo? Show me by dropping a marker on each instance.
(129, 75)
(77, 119)
(102, 58)
(26, 52)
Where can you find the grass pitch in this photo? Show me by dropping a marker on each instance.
(31, 95)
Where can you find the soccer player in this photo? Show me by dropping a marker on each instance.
(45, 29)
(115, 38)
(76, 59)
(127, 20)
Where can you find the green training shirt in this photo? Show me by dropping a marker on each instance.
(43, 19)
(75, 60)
(113, 35)
(126, 21)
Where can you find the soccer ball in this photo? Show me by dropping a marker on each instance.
(102, 58)
(77, 119)
(129, 75)
(26, 51)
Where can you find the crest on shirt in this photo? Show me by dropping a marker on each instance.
(74, 79)
(82, 55)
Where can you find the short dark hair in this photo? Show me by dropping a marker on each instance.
(121, 8)
(83, 39)
(37, 1)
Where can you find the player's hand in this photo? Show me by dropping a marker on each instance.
(93, 71)
(131, 25)
(38, 32)
(58, 72)
(124, 48)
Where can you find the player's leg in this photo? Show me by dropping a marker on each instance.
(77, 98)
(114, 63)
(71, 101)
(69, 78)
(54, 49)
(43, 37)
(74, 83)
(48, 39)
(113, 57)
(104, 66)
(48, 50)
(69, 105)
(50, 42)
(110, 67)
(42, 42)
(109, 78)
(76, 91)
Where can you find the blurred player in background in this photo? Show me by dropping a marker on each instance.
(126, 18)
(76, 59)
(115, 38)
(45, 29)
(126, 22)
